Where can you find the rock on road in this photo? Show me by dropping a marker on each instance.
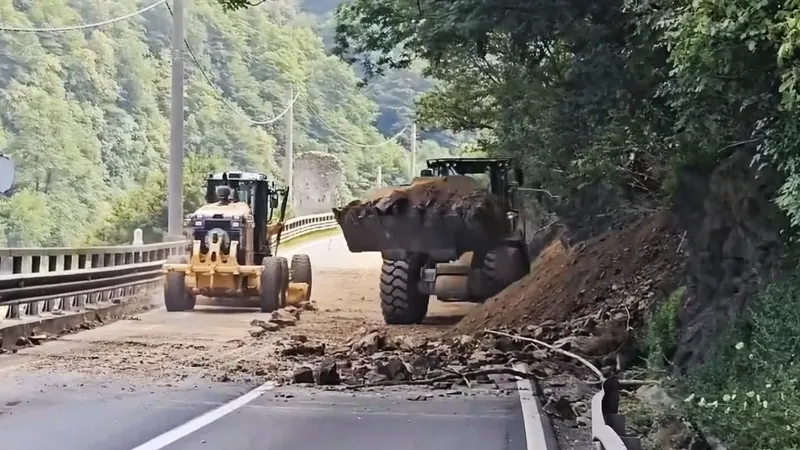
(194, 380)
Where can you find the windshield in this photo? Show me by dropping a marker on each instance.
(483, 178)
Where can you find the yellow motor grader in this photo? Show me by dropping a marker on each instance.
(231, 255)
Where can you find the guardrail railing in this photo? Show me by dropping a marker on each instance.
(609, 430)
(35, 280)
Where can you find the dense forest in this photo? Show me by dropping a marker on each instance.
(85, 113)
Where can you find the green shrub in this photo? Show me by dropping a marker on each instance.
(747, 394)
(661, 334)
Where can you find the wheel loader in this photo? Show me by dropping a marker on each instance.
(231, 255)
(430, 248)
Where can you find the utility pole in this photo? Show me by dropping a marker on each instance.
(289, 158)
(176, 137)
(379, 182)
(413, 150)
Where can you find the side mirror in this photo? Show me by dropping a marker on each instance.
(519, 176)
(273, 200)
(426, 173)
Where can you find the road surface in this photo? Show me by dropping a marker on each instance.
(196, 380)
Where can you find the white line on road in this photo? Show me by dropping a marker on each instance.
(536, 436)
(198, 422)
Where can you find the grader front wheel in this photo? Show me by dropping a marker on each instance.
(284, 278)
(176, 296)
(272, 285)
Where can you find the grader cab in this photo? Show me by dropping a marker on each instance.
(231, 254)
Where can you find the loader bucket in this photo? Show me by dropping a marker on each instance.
(427, 228)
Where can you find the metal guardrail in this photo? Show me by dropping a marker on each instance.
(299, 226)
(609, 430)
(59, 279)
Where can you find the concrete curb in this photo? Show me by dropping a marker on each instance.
(54, 324)
(539, 432)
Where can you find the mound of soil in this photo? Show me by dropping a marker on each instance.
(461, 195)
(453, 211)
(604, 287)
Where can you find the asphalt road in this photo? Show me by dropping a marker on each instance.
(66, 409)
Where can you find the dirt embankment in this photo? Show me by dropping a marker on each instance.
(596, 293)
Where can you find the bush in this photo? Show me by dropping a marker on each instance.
(660, 338)
(747, 394)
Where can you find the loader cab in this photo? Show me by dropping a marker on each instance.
(254, 190)
(499, 174)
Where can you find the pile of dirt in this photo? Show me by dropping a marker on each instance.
(453, 211)
(452, 195)
(373, 356)
(593, 294)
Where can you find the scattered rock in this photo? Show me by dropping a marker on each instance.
(303, 375)
(265, 326)
(395, 369)
(257, 332)
(367, 341)
(286, 316)
(560, 408)
(327, 373)
(303, 349)
(308, 306)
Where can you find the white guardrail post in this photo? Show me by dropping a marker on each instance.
(19, 263)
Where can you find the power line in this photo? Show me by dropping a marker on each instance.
(219, 94)
(81, 27)
(332, 130)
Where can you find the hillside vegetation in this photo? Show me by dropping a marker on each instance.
(623, 108)
(85, 113)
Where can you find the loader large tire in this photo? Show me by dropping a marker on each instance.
(284, 278)
(502, 267)
(401, 301)
(271, 285)
(301, 271)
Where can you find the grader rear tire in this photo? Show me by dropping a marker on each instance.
(284, 278)
(271, 285)
(176, 297)
(301, 271)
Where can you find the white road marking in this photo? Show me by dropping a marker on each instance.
(335, 409)
(203, 420)
(535, 435)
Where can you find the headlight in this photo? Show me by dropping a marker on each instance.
(235, 224)
(198, 223)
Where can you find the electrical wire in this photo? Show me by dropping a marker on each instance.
(81, 27)
(344, 139)
(219, 93)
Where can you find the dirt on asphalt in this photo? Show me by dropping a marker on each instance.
(226, 344)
